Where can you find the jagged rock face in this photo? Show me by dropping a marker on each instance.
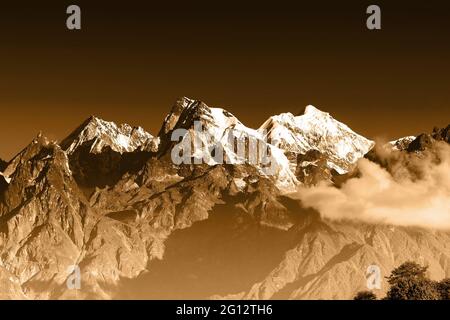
(403, 157)
(426, 141)
(401, 144)
(43, 218)
(286, 136)
(219, 125)
(148, 228)
(421, 143)
(312, 168)
(99, 134)
(442, 134)
(172, 198)
(100, 152)
(105, 168)
(47, 225)
(317, 130)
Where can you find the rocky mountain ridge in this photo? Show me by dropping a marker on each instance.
(110, 200)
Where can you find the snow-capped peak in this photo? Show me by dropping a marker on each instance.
(315, 129)
(217, 125)
(186, 111)
(97, 134)
(310, 109)
(284, 134)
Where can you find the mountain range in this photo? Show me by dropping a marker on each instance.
(109, 199)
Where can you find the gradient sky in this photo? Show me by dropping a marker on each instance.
(131, 60)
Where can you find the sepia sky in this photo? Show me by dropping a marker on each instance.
(131, 60)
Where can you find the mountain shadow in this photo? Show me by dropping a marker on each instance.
(225, 254)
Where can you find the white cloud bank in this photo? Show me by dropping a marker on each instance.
(419, 196)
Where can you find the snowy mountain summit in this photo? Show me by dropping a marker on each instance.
(317, 130)
(285, 136)
(285, 139)
(238, 143)
(98, 134)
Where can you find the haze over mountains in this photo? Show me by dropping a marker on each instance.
(109, 199)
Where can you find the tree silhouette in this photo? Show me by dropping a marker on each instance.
(409, 282)
(365, 295)
(443, 288)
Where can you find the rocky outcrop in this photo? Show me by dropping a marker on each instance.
(44, 218)
(400, 144)
(425, 141)
(100, 152)
(312, 168)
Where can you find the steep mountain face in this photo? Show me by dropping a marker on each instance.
(317, 130)
(285, 137)
(405, 156)
(441, 134)
(48, 225)
(422, 141)
(110, 200)
(99, 134)
(44, 218)
(331, 260)
(214, 121)
(222, 138)
(401, 144)
(101, 152)
(231, 256)
(312, 168)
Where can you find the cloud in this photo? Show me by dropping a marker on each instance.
(413, 191)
